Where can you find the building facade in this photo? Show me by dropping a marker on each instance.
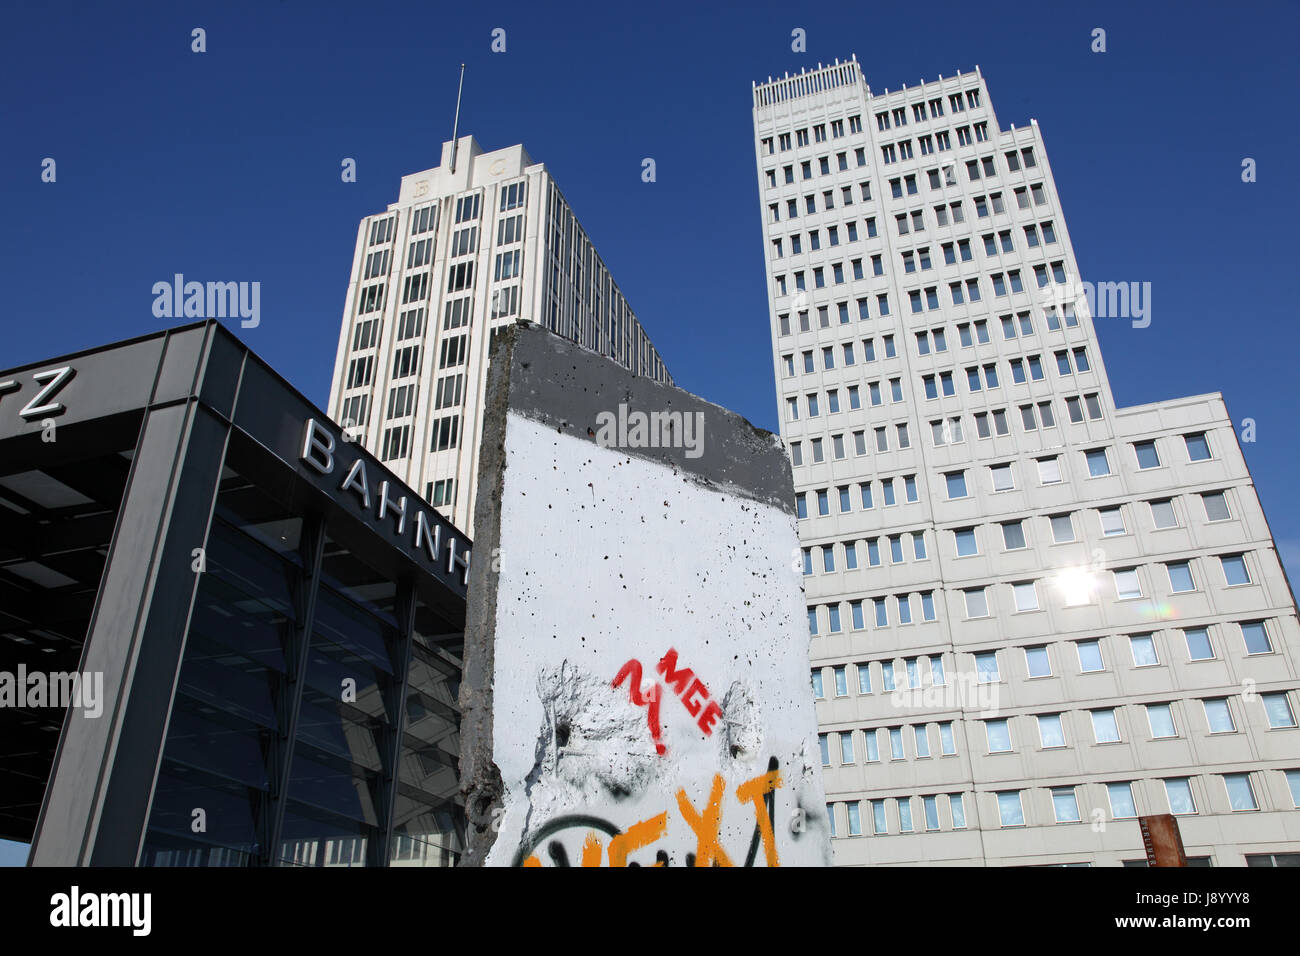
(1035, 616)
(479, 242)
(255, 627)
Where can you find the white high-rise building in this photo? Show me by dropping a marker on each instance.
(1035, 616)
(479, 242)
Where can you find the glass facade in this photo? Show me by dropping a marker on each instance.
(290, 659)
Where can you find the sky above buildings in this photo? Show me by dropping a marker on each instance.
(225, 166)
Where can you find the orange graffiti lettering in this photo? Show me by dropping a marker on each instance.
(637, 835)
(708, 851)
(754, 791)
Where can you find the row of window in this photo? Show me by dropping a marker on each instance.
(895, 814)
(1076, 587)
(919, 734)
(823, 167)
(944, 431)
(1146, 456)
(1014, 532)
(913, 221)
(1036, 234)
(818, 131)
(930, 143)
(889, 495)
(444, 435)
(1085, 656)
(1004, 283)
(875, 548)
(1048, 731)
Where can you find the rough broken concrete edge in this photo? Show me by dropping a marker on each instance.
(480, 778)
(741, 444)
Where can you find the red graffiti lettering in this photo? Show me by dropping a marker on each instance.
(650, 700)
(689, 689)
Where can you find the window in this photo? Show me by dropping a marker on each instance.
(1241, 796)
(1049, 470)
(966, 544)
(1234, 569)
(846, 747)
(947, 742)
(1036, 662)
(448, 391)
(396, 442)
(958, 811)
(931, 807)
(1143, 649)
(1198, 644)
(1050, 733)
(1127, 584)
(1013, 536)
(1121, 800)
(1010, 811)
(1112, 521)
(956, 484)
(819, 692)
(855, 818)
(878, 817)
(1160, 719)
(895, 743)
(445, 433)
(998, 735)
(1218, 716)
(1146, 454)
(1089, 656)
(1278, 709)
(1026, 595)
(824, 746)
(1255, 636)
(1179, 793)
(976, 602)
(1198, 449)
(1098, 463)
(1216, 506)
(1065, 805)
(1293, 781)
(1002, 479)
(1105, 730)
(986, 667)
(1062, 529)
(360, 371)
(1180, 576)
(922, 740)
(1162, 514)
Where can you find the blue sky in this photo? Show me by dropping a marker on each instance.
(225, 165)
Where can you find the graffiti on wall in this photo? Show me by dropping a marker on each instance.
(557, 837)
(692, 692)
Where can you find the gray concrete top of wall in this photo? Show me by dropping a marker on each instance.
(581, 393)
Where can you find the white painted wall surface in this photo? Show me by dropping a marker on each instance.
(607, 558)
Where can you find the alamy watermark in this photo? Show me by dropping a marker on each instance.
(60, 689)
(964, 691)
(208, 300)
(636, 429)
(1103, 300)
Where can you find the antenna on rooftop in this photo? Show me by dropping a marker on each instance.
(455, 126)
